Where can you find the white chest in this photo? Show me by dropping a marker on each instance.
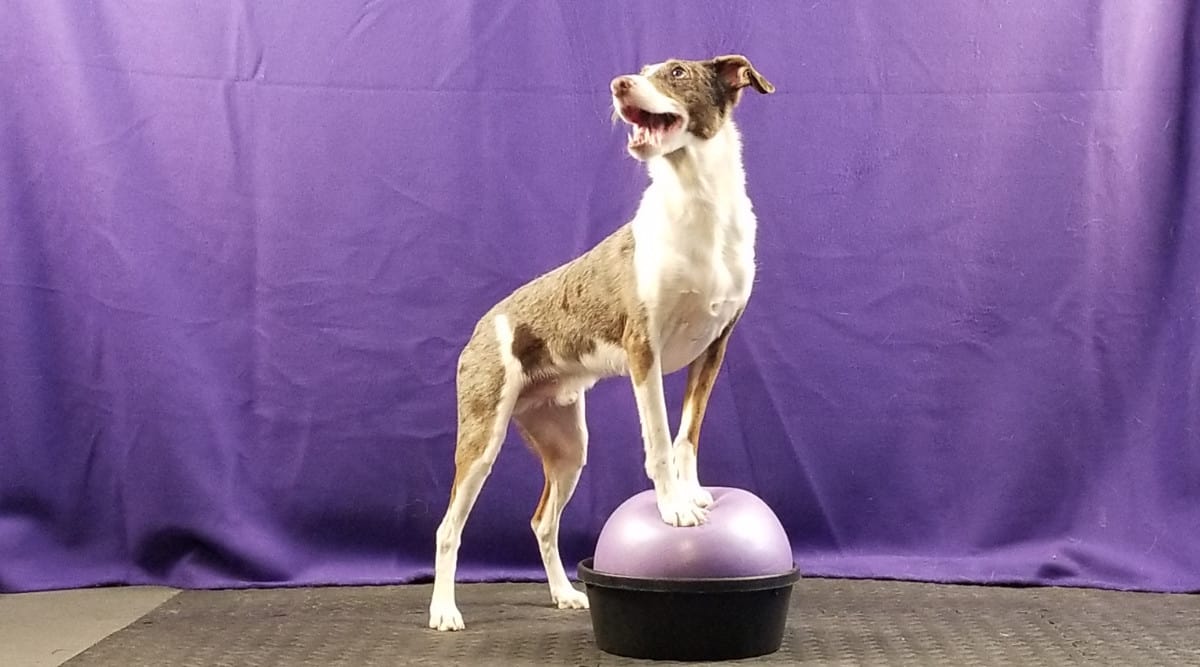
(694, 274)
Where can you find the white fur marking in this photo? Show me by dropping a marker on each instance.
(674, 505)
(605, 360)
(646, 96)
(694, 234)
(694, 247)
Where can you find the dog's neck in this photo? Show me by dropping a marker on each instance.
(707, 173)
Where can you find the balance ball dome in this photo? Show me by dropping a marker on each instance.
(741, 538)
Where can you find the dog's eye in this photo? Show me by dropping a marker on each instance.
(678, 72)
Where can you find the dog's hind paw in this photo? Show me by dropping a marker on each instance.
(445, 618)
(570, 599)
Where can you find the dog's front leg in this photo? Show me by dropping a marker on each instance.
(702, 374)
(674, 503)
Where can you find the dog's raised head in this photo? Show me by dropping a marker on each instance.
(673, 103)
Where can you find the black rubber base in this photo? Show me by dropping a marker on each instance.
(693, 619)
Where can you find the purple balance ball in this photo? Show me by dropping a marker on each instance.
(741, 538)
(717, 591)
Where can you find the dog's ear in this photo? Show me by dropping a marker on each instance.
(737, 71)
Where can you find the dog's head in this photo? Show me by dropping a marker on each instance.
(674, 103)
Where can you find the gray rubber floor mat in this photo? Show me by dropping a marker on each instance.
(832, 622)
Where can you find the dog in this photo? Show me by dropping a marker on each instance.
(661, 293)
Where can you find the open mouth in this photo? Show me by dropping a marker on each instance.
(649, 129)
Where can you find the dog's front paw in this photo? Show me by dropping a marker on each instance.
(681, 511)
(700, 496)
(445, 617)
(569, 598)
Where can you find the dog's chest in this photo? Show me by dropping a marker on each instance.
(689, 320)
(694, 284)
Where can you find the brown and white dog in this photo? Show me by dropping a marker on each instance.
(661, 293)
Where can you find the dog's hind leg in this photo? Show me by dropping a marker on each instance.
(487, 391)
(479, 440)
(558, 434)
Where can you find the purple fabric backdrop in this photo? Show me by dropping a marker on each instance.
(242, 243)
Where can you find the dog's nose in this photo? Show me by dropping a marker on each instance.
(622, 84)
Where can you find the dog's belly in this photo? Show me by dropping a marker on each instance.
(560, 390)
(575, 377)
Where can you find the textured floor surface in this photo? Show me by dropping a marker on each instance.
(832, 622)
